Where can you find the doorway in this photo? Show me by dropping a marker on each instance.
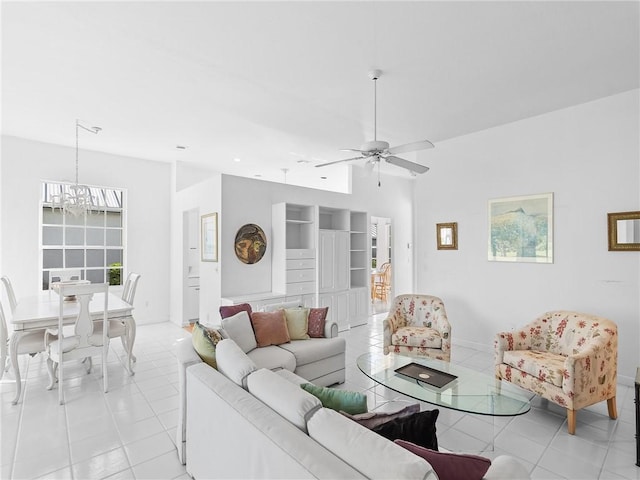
(381, 261)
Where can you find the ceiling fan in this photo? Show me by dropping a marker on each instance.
(375, 150)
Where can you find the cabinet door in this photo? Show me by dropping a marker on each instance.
(326, 300)
(341, 261)
(327, 262)
(341, 308)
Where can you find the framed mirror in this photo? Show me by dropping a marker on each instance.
(447, 236)
(624, 231)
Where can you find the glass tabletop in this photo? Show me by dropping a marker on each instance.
(470, 391)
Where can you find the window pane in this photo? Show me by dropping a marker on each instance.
(73, 258)
(71, 220)
(96, 219)
(95, 258)
(114, 276)
(51, 259)
(95, 276)
(114, 256)
(114, 219)
(51, 217)
(74, 236)
(52, 235)
(95, 236)
(114, 238)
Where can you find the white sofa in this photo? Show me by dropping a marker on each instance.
(321, 361)
(271, 428)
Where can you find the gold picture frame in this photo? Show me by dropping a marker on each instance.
(623, 229)
(209, 237)
(447, 236)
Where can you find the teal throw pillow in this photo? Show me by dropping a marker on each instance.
(204, 343)
(352, 403)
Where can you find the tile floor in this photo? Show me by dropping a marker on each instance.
(129, 432)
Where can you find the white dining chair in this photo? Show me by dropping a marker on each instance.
(10, 293)
(30, 343)
(125, 327)
(64, 275)
(84, 342)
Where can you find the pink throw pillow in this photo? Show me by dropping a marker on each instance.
(270, 328)
(230, 310)
(450, 466)
(317, 318)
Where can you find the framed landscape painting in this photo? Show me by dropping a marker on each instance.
(521, 229)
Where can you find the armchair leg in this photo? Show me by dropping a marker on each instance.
(571, 421)
(611, 405)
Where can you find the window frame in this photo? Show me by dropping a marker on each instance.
(103, 191)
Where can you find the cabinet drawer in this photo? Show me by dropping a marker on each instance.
(301, 288)
(301, 253)
(301, 263)
(294, 276)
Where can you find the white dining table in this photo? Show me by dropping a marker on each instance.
(41, 311)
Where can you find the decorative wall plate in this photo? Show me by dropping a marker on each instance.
(250, 244)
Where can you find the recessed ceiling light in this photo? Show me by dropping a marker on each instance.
(257, 175)
(302, 160)
(236, 159)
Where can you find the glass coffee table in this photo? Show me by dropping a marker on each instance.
(467, 390)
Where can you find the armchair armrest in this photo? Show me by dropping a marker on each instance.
(589, 369)
(389, 325)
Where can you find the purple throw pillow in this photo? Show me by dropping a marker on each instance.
(450, 466)
(230, 310)
(317, 318)
(373, 419)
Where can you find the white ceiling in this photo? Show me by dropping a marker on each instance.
(272, 83)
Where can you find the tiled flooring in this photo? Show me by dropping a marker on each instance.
(129, 432)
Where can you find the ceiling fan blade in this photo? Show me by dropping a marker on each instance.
(411, 147)
(339, 161)
(411, 166)
(351, 150)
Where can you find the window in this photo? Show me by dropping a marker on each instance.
(93, 243)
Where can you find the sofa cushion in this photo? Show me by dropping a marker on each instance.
(273, 358)
(545, 366)
(270, 328)
(283, 396)
(424, 337)
(233, 363)
(238, 328)
(451, 466)
(373, 419)
(317, 319)
(231, 310)
(291, 377)
(204, 342)
(314, 349)
(419, 428)
(336, 399)
(370, 454)
(297, 322)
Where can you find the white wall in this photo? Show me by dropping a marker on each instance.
(205, 197)
(26, 163)
(588, 156)
(246, 200)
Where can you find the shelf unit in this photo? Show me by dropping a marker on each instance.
(294, 249)
(359, 249)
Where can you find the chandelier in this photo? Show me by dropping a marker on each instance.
(75, 199)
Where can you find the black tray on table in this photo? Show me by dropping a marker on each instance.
(426, 374)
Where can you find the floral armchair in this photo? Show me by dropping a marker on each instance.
(569, 358)
(417, 326)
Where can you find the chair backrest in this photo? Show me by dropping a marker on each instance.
(64, 275)
(10, 293)
(83, 326)
(564, 332)
(129, 291)
(420, 311)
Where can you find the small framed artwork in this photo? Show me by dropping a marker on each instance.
(521, 229)
(209, 237)
(447, 236)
